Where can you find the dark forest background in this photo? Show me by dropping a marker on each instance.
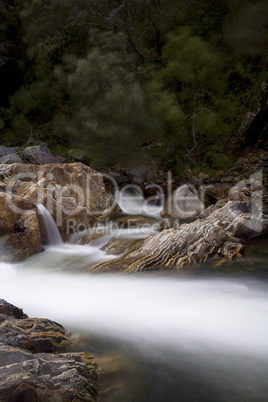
(114, 77)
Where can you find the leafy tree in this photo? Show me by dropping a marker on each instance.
(10, 49)
(106, 107)
(246, 26)
(193, 76)
(109, 75)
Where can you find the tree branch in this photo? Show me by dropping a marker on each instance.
(206, 10)
(193, 125)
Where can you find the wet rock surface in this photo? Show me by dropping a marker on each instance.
(27, 241)
(219, 233)
(20, 225)
(28, 370)
(74, 194)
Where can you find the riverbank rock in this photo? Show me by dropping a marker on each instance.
(28, 370)
(133, 221)
(40, 154)
(194, 242)
(19, 226)
(27, 241)
(11, 209)
(77, 155)
(74, 194)
(9, 155)
(137, 174)
(119, 246)
(183, 204)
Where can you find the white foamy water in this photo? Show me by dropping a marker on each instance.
(209, 333)
(183, 313)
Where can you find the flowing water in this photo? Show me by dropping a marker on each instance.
(198, 334)
(52, 232)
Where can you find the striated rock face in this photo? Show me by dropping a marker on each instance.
(221, 232)
(28, 372)
(74, 194)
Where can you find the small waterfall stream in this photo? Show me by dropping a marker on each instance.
(52, 232)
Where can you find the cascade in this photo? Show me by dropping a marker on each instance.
(51, 229)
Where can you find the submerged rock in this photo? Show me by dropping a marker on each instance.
(28, 370)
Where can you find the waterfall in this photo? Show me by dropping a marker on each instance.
(52, 232)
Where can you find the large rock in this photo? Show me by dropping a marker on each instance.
(137, 174)
(74, 194)
(20, 225)
(78, 155)
(9, 155)
(33, 334)
(11, 209)
(194, 242)
(27, 241)
(183, 204)
(215, 192)
(29, 372)
(40, 154)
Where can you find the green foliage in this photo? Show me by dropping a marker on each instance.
(109, 76)
(246, 26)
(219, 160)
(106, 110)
(192, 97)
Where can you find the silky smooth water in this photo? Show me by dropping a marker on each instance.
(52, 232)
(196, 334)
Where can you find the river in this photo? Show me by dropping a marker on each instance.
(197, 334)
